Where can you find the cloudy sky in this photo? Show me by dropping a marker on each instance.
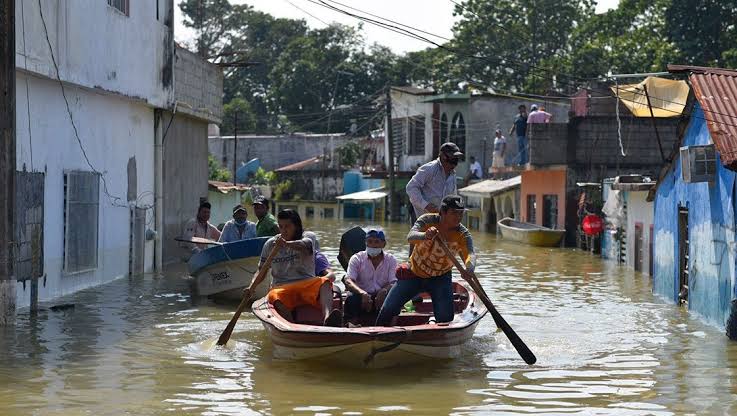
(434, 16)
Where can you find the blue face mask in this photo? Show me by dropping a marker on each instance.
(241, 223)
(373, 251)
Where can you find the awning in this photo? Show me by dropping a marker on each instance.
(490, 187)
(667, 97)
(369, 195)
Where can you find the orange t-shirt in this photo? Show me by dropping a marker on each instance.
(428, 259)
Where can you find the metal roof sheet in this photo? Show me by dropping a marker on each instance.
(368, 195)
(490, 187)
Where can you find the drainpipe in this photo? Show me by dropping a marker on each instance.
(158, 189)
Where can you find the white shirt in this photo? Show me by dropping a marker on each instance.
(476, 169)
(361, 270)
(430, 185)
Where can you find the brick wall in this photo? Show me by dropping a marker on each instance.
(198, 86)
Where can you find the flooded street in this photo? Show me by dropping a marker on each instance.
(605, 345)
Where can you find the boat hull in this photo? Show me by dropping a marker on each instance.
(223, 271)
(374, 347)
(537, 236)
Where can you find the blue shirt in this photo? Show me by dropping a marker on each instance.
(232, 233)
(520, 126)
(430, 185)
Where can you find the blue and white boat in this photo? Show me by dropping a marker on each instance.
(224, 270)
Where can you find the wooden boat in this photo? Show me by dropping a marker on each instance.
(224, 270)
(413, 339)
(532, 234)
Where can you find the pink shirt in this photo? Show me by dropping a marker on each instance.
(368, 278)
(539, 117)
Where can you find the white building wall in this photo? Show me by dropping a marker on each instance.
(112, 130)
(408, 105)
(639, 211)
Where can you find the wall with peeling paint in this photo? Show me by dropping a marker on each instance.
(712, 244)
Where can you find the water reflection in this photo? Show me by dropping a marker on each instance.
(605, 346)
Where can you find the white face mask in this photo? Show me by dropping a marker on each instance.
(373, 251)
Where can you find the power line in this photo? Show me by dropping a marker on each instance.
(307, 13)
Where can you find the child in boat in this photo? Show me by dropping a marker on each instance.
(429, 268)
(370, 275)
(293, 271)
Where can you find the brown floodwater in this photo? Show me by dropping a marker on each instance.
(605, 346)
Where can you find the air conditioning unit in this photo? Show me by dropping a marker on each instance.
(699, 163)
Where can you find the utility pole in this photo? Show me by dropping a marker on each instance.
(235, 147)
(389, 137)
(7, 161)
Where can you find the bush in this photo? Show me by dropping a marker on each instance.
(216, 172)
(283, 191)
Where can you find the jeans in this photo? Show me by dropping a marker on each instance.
(352, 306)
(522, 149)
(440, 289)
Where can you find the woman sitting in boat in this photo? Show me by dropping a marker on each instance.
(370, 275)
(429, 268)
(294, 282)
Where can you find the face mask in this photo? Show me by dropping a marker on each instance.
(241, 223)
(373, 251)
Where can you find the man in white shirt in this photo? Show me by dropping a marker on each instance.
(200, 227)
(474, 171)
(370, 275)
(434, 180)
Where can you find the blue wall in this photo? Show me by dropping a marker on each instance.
(711, 222)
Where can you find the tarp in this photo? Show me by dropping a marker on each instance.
(667, 97)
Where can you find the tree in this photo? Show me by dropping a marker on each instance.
(215, 23)
(240, 108)
(703, 31)
(217, 172)
(349, 154)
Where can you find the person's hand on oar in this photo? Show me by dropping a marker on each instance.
(260, 275)
(522, 348)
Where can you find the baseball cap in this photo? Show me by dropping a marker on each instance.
(451, 149)
(374, 232)
(260, 199)
(452, 202)
(238, 208)
(533, 107)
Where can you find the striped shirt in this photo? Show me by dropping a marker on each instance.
(430, 185)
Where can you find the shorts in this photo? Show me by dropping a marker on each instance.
(301, 292)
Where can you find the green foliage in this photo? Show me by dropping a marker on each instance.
(216, 172)
(238, 109)
(263, 177)
(283, 191)
(215, 23)
(349, 154)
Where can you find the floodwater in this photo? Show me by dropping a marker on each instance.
(605, 346)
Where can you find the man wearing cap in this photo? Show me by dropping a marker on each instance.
(434, 180)
(538, 115)
(520, 128)
(370, 275)
(266, 225)
(200, 227)
(239, 228)
(429, 268)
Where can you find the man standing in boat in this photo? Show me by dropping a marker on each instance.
(429, 268)
(294, 282)
(239, 228)
(266, 225)
(370, 275)
(434, 180)
(200, 227)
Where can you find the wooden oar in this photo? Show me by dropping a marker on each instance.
(502, 324)
(198, 240)
(225, 336)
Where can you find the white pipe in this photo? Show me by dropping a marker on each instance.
(158, 189)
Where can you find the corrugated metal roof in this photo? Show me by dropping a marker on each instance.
(226, 187)
(308, 164)
(368, 195)
(716, 91)
(490, 187)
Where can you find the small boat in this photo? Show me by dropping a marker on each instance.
(224, 270)
(413, 339)
(532, 234)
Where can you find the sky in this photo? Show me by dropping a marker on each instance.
(434, 16)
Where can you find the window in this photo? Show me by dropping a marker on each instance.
(81, 214)
(310, 212)
(399, 131)
(531, 209)
(458, 131)
(443, 128)
(550, 211)
(416, 135)
(122, 6)
(698, 163)
(329, 213)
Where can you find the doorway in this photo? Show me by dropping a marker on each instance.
(683, 243)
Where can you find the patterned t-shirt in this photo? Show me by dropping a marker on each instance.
(290, 265)
(428, 258)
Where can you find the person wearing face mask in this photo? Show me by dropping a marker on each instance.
(434, 180)
(370, 275)
(239, 228)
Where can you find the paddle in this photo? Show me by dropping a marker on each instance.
(352, 241)
(516, 341)
(225, 336)
(198, 240)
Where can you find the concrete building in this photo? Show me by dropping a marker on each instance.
(274, 150)
(695, 204)
(490, 201)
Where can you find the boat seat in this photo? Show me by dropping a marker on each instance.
(413, 318)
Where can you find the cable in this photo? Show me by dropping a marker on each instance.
(307, 13)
